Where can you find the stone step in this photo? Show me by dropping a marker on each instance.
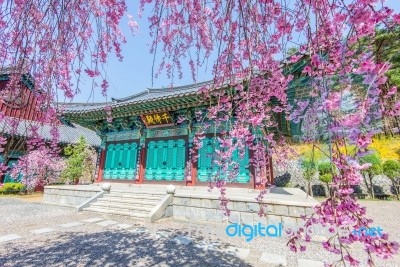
(120, 207)
(132, 197)
(138, 192)
(130, 202)
(145, 212)
(116, 212)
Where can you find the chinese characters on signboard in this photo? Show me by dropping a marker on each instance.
(157, 119)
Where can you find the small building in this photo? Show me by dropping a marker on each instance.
(20, 111)
(145, 143)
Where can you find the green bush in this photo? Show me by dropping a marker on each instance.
(324, 168)
(326, 178)
(80, 164)
(12, 188)
(309, 171)
(375, 169)
(391, 168)
(376, 163)
(307, 165)
(325, 174)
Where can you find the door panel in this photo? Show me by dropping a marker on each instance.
(121, 161)
(208, 169)
(165, 160)
(108, 164)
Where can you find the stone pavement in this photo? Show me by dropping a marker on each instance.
(34, 234)
(251, 257)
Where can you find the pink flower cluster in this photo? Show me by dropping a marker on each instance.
(38, 168)
(342, 105)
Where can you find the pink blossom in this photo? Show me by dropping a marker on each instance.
(333, 102)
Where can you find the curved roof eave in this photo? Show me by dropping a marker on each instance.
(129, 101)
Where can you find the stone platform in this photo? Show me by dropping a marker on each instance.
(280, 204)
(69, 195)
(191, 203)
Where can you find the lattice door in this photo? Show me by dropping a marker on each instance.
(208, 168)
(166, 160)
(121, 161)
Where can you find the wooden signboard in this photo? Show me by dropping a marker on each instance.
(157, 119)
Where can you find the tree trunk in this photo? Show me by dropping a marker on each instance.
(396, 188)
(368, 184)
(329, 190)
(370, 176)
(310, 193)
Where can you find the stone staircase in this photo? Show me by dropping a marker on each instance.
(133, 202)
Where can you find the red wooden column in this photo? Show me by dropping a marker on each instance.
(193, 166)
(100, 169)
(141, 165)
(266, 174)
(194, 172)
(271, 171)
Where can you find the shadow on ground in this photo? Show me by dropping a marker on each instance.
(115, 248)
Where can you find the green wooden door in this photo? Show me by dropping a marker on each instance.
(165, 160)
(208, 169)
(132, 161)
(243, 173)
(121, 161)
(7, 177)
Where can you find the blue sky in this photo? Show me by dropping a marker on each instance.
(133, 75)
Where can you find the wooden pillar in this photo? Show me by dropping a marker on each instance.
(266, 174)
(271, 171)
(193, 170)
(260, 184)
(141, 165)
(100, 168)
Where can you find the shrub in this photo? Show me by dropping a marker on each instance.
(325, 173)
(324, 168)
(12, 188)
(309, 171)
(306, 151)
(376, 164)
(375, 169)
(391, 168)
(326, 178)
(81, 162)
(387, 147)
(308, 165)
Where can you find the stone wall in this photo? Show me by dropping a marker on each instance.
(291, 175)
(243, 211)
(69, 195)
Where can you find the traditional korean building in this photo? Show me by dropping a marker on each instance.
(21, 111)
(145, 144)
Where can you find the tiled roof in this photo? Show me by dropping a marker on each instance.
(6, 70)
(68, 134)
(145, 96)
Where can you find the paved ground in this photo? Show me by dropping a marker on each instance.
(34, 234)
